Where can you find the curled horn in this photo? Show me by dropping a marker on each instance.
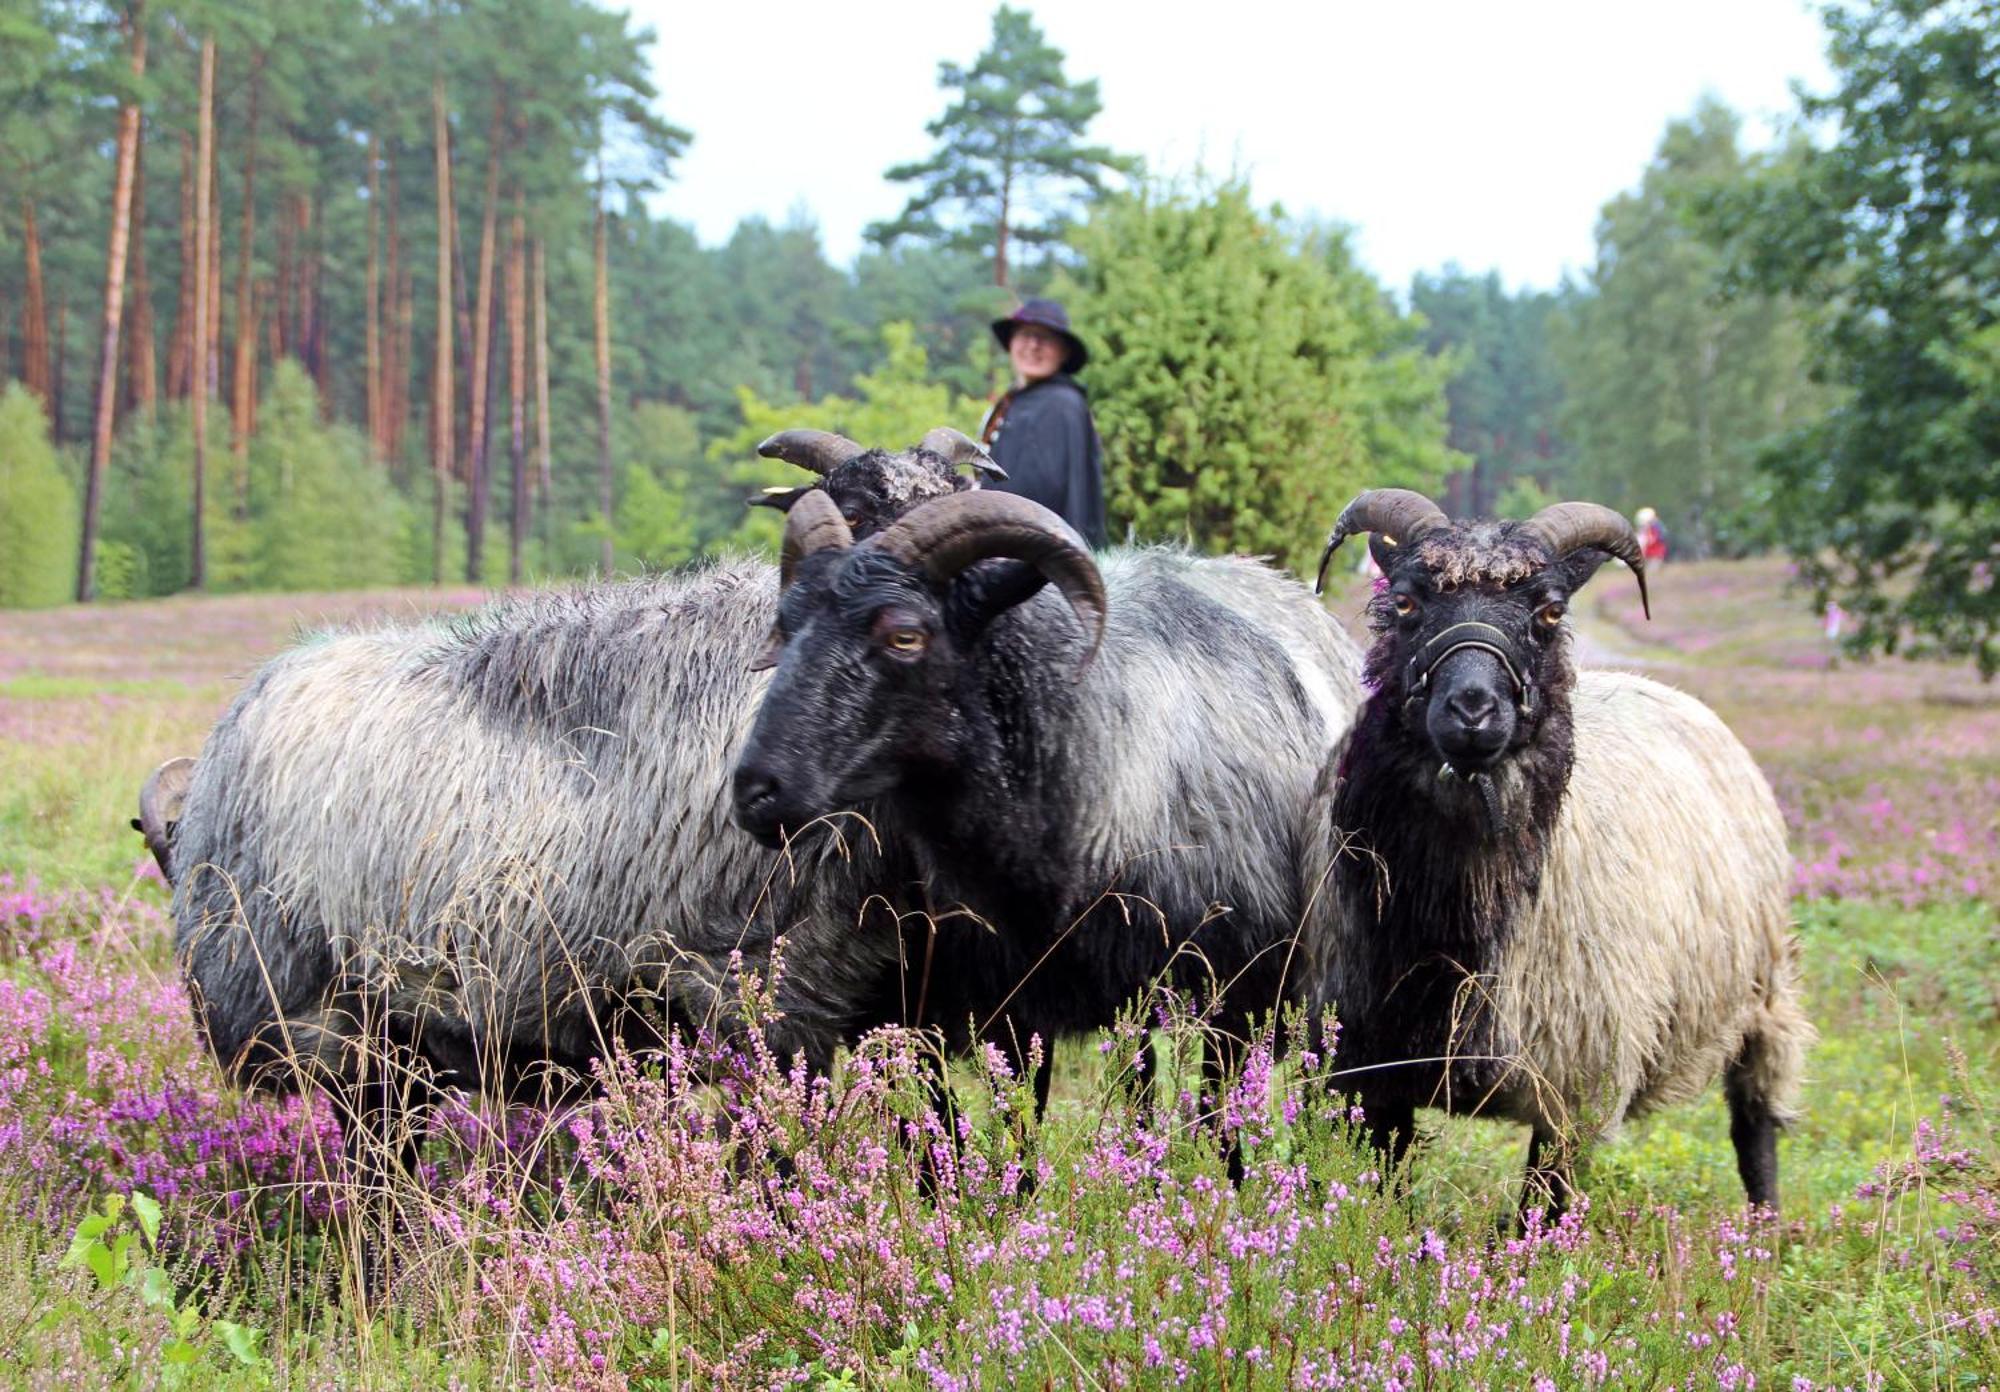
(958, 449)
(813, 524)
(1567, 527)
(821, 451)
(949, 534)
(1392, 516)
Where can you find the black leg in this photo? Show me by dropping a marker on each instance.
(1221, 1062)
(1754, 1132)
(1391, 1128)
(1549, 1182)
(1045, 1073)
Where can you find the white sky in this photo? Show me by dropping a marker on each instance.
(1483, 133)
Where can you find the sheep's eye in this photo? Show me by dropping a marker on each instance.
(851, 516)
(1404, 605)
(906, 642)
(1551, 614)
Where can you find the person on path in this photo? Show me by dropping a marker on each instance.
(1041, 432)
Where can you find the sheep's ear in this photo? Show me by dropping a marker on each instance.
(987, 590)
(780, 498)
(1384, 549)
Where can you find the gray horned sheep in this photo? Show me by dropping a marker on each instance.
(493, 843)
(1103, 783)
(1556, 897)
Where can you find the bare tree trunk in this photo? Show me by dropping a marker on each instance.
(212, 360)
(372, 351)
(114, 304)
(315, 312)
(1000, 235)
(246, 326)
(280, 304)
(517, 385)
(441, 393)
(141, 368)
(482, 340)
(178, 356)
(197, 347)
(396, 358)
(35, 315)
(400, 380)
(603, 317)
(543, 479)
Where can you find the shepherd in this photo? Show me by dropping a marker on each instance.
(1041, 432)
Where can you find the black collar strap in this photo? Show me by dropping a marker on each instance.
(1459, 636)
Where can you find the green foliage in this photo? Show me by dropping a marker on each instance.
(671, 501)
(38, 512)
(892, 407)
(1009, 144)
(323, 516)
(119, 1245)
(1672, 385)
(1891, 504)
(1504, 391)
(1246, 380)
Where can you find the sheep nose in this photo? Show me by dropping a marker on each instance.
(756, 796)
(1472, 706)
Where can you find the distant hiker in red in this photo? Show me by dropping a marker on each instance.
(1040, 432)
(1652, 536)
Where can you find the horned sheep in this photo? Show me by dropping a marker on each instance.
(1102, 784)
(1554, 896)
(494, 843)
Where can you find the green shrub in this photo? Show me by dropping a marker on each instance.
(38, 515)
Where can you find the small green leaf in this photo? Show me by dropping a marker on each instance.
(179, 1351)
(156, 1288)
(98, 1258)
(242, 1341)
(148, 1210)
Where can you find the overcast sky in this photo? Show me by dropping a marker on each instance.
(1483, 133)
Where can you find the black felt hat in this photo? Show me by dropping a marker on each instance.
(1050, 315)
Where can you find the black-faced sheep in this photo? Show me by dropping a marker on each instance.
(1103, 786)
(1555, 897)
(497, 842)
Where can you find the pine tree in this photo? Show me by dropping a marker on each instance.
(1010, 161)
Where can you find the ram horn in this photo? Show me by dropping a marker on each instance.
(959, 449)
(813, 524)
(821, 451)
(1392, 516)
(1567, 527)
(945, 536)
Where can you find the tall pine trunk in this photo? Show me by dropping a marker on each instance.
(141, 366)
(212, 357)
(35, 315)
(441, 393)
(542, 373)
(114, 304)
(178, 357)
(197, 346)
(372, 349)
(517, 386)
(482, 356)
(602, 299)
(396, 350)
(246, 322)
(400, 380)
